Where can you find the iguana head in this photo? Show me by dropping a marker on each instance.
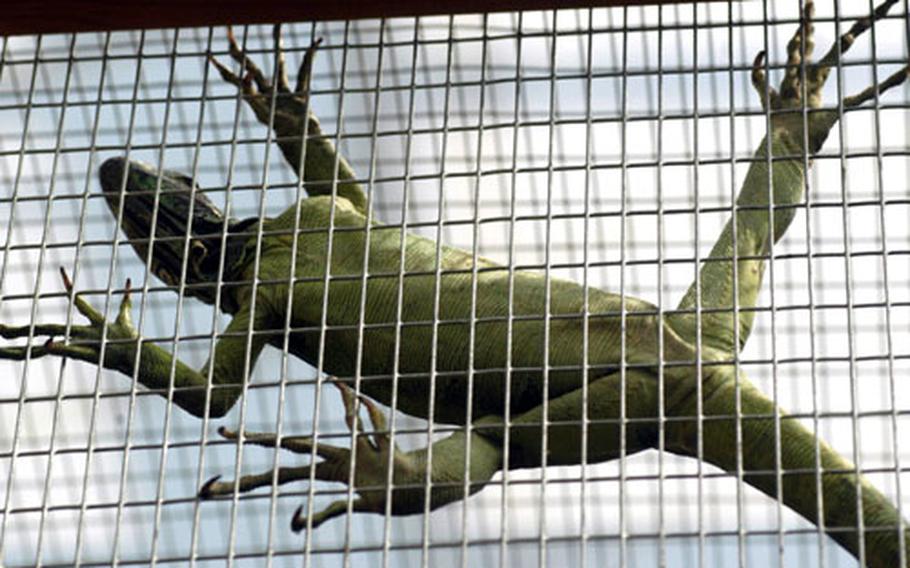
(169, 202)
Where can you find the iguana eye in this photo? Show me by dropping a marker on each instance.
(198, 253)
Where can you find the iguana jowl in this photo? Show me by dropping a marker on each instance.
(635, 357)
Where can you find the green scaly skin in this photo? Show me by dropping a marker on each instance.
(337, 197)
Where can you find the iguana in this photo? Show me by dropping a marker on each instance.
(364, 307)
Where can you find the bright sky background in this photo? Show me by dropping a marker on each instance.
(66, 114)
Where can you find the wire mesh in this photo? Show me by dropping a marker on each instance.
(603, 146)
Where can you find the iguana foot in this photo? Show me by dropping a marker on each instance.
(291, 107)
(310, 155)
(803, 81)
(369, 461)
(800, 73)
(120, 337)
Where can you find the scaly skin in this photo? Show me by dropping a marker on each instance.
(339, 201)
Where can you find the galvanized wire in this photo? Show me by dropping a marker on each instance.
(601, 145)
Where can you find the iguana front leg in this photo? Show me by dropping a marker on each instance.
(123, 350)
(288, 113)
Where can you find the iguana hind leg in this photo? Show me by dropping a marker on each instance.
(769, 200)
(368, 462)
(735, 426)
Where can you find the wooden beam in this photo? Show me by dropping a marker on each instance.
(34, 17)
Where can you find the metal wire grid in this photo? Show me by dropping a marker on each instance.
(601, 145)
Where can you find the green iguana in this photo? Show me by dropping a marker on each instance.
(381, 331)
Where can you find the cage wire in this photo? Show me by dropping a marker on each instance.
(603, 146)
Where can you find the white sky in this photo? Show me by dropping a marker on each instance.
(46, 425)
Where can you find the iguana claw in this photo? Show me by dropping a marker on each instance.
(206, 492)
